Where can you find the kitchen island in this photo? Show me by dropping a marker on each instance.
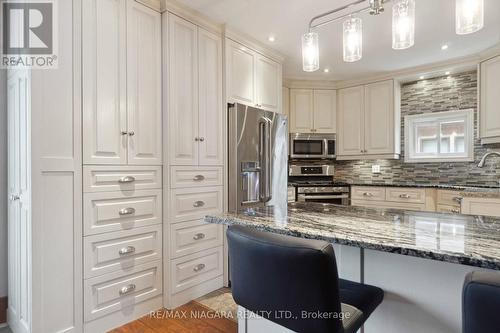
(419, 259)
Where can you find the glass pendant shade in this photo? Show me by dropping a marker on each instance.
(310, 52)
(469, 16)
(403, 24)
(353, 39)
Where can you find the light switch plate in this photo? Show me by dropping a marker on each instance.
(376, 168)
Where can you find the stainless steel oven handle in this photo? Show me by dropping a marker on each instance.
(306, 197)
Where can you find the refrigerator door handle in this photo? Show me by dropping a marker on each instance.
(265, 159)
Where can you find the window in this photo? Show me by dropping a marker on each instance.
(440, 137)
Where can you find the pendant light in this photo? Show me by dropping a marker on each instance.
(310, 52)
(469, 16)
(353, 39)
(403, 24)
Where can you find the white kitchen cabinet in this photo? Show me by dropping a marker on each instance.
(195, 95)
(121, 83)
(252, 78)
(268, 83)
(490, 99)
(350, 113)
(143, 85)
(325, 111)
(301, 111)
(286, 102)
(481, 206)
(369, 122)
(313, 111)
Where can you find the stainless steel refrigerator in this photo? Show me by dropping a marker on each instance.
(258, 152)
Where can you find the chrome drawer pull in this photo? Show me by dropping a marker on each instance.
(455, 211)
(368, 194)
(458, 199)
(198, 204)
(199, 178)
(126, 250)
(199, 267)
(405, 196)
(126, 211)
(126, 180)
(199, 236)
(127, 289)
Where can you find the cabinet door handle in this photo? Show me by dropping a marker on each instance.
(458, 199)
(126, 250)
(126, 211)
(199, 178)
(368, 194)
(124, 133)
(198, 204)
(131, 133)
(199, 236)
(15, 197)
(202, 139)
(127, 289)
(196, 139)
(455, 211)
(127, 179)
(405, 196)
(199, 267)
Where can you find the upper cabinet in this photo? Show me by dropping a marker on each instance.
(313, 111)
(369, 122)
(252, 78)
(195, 107)
(121, 83)
(490, 100)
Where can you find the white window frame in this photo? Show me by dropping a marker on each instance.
(437, 117)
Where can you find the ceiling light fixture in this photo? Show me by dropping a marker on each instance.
(271, 38)
(310, 52)
(469, 19)
(403, 24)
(469, 16)
(326, 70)
(353, 39)
(444, 47)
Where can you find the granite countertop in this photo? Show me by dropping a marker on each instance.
(465, 191)
(460, 239)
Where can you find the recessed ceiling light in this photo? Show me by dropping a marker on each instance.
(447, 73)
(326, 70)
(422, 77)
(271, 38)
(444, 47)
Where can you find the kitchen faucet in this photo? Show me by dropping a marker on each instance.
(483, 160)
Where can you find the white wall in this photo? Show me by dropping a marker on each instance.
(3, 184)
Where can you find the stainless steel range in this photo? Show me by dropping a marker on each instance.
(314, 183)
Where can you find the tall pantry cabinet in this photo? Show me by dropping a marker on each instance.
(194, 143)
(122, 158)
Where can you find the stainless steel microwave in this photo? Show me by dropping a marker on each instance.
(312, 146)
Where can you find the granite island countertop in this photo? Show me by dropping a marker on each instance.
(460, 239)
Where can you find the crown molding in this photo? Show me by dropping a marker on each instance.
(191, 15)
(310, 84)
(254, 44)
(153, 4)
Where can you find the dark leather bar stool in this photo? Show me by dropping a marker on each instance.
(481, 303)
(271, 272)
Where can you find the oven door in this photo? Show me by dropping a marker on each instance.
(336, 199)
(308, 148)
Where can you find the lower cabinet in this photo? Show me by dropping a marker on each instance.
(481, 206)
(417, 199)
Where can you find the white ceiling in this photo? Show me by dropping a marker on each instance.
(287, 20)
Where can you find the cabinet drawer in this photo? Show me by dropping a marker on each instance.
(122, 250)
(113, 292)
(194, 269)
(116, 211)
(121, 178)
(195, 177)
(370, 193)
(448, 209)
(410, 195)
(194, 236)
(194, 204)
(450, 198)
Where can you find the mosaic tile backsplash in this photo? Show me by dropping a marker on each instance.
(456, 92)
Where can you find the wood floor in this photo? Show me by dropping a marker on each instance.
(190, 318)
